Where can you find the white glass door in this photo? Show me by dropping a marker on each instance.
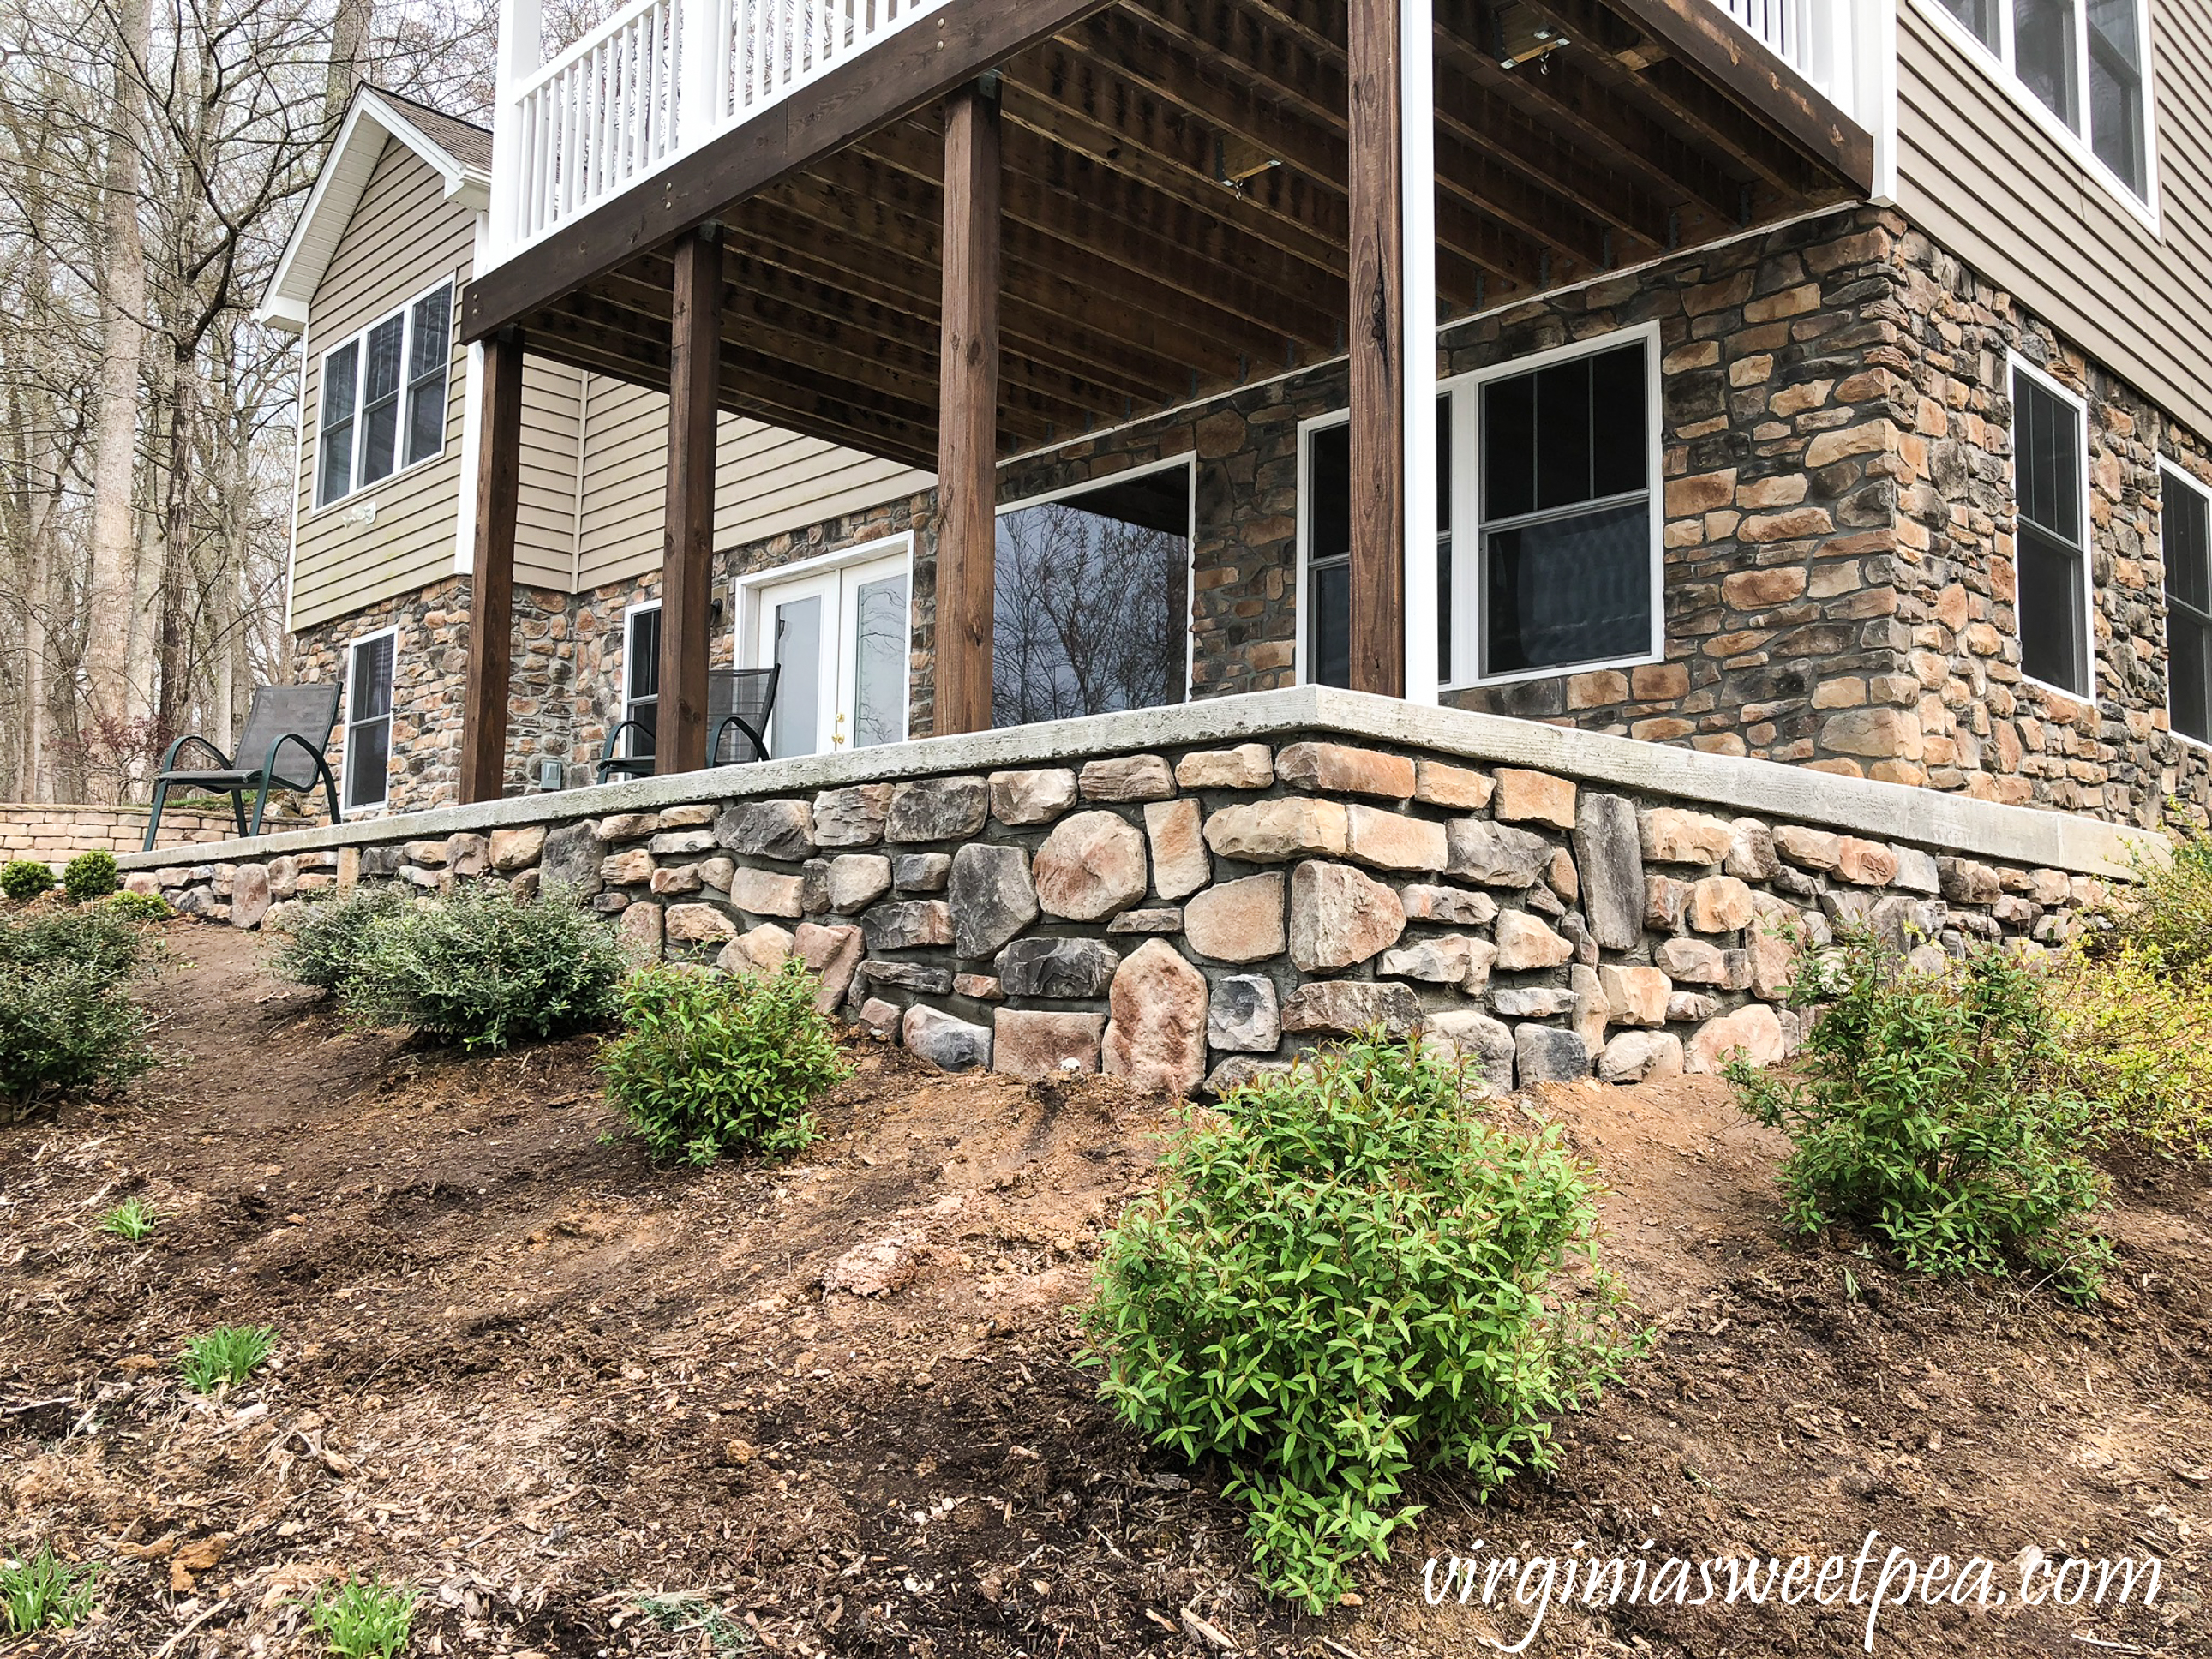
(839, 636)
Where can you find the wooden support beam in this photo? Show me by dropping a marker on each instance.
(491, 598)
(968, 398)
(694, 369)
(1378, 335)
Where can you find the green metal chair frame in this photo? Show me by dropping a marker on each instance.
(724, 688)
(280, 719)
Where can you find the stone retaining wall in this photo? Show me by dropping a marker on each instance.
(1183, 896)
(56, 834)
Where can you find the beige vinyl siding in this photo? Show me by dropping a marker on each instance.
(403, 238)
(1992, 185)
(765, 481)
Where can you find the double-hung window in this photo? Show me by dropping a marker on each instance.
(2050, 460)
(368, 719)
(2185, 545)
(1546, 552)
(641, 678)
(2084, 61)
(383, 396)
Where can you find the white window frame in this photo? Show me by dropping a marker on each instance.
(1465, 529)
(2170, 476)
(2016, 367)
(1188, 461)
(629, 704)
(1999, 65)
(345, 756)
(359, 339)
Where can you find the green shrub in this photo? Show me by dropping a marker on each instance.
(708, 1064)
(1924, 1109)
(485, 970)
(362, 1618)
(2165, 917)
(39, 1591)
(24, 879)
(2135, 1044)
(96, 938)
(64, 1028)
(1344, 1277)
(139, 907)
(90, 876)
(228, 1353)
(326, 943)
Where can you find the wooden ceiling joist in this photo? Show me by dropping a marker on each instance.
(1174, 209)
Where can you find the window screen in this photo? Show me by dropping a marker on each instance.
(2186, 529)
(1328, 551)
(2117, 122)
(2048, 458)
(429, 349)
(368, 722)
(1566, 514)
(1978, 15)
(341, 392)
(642, 681)
(1093, 601)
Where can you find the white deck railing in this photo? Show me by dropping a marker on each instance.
(661, 77)
(657, 79)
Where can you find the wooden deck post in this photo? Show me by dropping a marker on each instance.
(491, 603)
(687, 533)
(1376, 336)
(968, 413)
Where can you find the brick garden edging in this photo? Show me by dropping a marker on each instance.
(1183, 895)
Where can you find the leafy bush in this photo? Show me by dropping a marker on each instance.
(2136, 1045)
(139, 907)
(362, 1618)
(228, 1353)
(63, 1028)
(96, 938)
(485, 970)
(2165, 917)
(24, 879)
(327, 942)
(708, 1064)
(90, 876)
(1342, 1277)
(40, 1591)
(1924, 1109)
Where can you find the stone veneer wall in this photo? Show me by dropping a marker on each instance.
(1838, 522)
(1182, 896)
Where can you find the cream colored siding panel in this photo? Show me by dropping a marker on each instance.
(403, 238)
(545, 516)
(1988, 182)
(767, 481)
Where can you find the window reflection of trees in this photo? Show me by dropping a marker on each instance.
(1092, 613)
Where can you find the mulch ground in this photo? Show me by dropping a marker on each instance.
(590, 1407)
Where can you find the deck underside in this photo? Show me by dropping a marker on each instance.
(1175, 207)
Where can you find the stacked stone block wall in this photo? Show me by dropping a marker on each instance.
(56, 834)
(1186, 915)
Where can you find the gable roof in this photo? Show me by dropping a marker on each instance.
(459, 151)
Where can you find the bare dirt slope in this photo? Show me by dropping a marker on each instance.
(592, 1407)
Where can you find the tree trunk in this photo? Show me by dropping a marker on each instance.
(113, 590)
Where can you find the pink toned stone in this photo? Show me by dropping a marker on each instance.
(1156, 1030)
(1338, 917)
(1238, 920)
(1180, 865)
(1038, 1045)
(1090, 865)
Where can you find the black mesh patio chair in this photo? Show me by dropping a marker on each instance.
(288, 733)
(740, 702)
